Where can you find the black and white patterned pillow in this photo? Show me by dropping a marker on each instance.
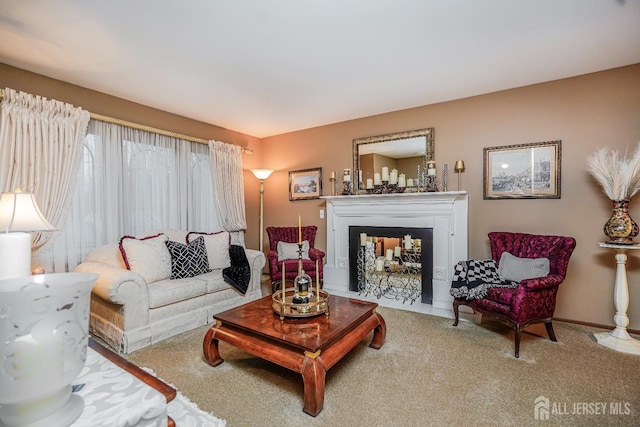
(188, 260)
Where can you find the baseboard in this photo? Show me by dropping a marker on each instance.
(595, 325)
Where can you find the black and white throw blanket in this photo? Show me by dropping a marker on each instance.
(472, 278)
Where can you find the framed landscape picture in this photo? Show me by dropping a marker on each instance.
(525, 171)
(305, 184)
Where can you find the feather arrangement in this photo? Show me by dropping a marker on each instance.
(619, 176)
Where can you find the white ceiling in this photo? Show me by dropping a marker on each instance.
(270, 67)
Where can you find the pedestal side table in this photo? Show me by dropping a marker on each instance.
(619, 339)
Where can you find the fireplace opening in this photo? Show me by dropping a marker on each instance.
(392, 262)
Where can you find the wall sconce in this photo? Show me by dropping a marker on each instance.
(19, 215)
(262, 174)
(459, 168)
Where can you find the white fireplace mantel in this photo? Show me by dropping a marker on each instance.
(445, 212)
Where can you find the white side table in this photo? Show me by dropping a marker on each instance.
(619, 339)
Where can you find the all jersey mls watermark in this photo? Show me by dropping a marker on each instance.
(543, 408)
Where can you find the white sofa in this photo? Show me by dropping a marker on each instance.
(128, 313)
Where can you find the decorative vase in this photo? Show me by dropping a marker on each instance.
(44, 322)
(621, 229)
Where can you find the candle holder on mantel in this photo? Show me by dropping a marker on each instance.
(300, 301)
(347, 185)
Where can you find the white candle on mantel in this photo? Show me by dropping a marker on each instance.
(346, 176)
(393, 178)
(379, 264)
(402, 181)
(389, 254)
(396, 252)
(376, 179)
(385, 173)
(363, 239)
(410, 182)
(369, 183)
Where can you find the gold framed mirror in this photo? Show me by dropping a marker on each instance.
(404, 151)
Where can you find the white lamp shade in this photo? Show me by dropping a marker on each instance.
(19, 212)
(262, 173)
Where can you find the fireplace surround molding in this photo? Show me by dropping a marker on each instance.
(446, 213)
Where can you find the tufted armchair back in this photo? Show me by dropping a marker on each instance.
(290, 235)
(557, 249)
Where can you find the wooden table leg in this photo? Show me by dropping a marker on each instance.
(313, 378)
(379, 333)
(210, 346)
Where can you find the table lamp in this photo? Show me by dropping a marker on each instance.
(19, 216)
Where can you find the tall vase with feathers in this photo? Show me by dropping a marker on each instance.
(619, 177)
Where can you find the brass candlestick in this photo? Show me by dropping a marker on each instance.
(459, 168)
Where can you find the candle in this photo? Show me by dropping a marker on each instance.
(389, 254)
(369, 183)
(363, 239)
(376, 179)
(393, 178)
(333, 176)
(410, 182)
(283, 286)
(346, 175)
(299, 230)
(379, 263)
(360, 175)
(431, 168)
(396, 252)
(385, 173)
(402, 181)
(407, 241)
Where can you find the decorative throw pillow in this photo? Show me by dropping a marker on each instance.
(239, 274)
(188, 260)
(290, 250)
(147, 256)
(217, 245)
(517, 269)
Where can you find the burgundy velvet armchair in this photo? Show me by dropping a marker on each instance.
(290, 235)
(534, 299)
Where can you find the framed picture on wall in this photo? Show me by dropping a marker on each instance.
(525, 171)
(305, 184)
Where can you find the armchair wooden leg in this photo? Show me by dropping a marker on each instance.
(517, 339)
(455, 312)
(552, 335)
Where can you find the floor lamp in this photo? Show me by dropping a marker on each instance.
(262, 174)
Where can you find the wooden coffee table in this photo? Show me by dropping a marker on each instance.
(309, 346)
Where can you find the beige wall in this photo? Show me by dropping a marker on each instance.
(587, 112)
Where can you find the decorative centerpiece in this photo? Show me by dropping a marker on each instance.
(301, 300)
(619, 178)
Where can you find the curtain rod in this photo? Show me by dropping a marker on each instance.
(149, 129)
(115, 121)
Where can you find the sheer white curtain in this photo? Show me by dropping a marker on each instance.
(40, 147)
(226, 160)
(132, 182)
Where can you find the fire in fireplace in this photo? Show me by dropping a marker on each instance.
(392, 262)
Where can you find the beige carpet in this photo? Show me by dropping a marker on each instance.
(428, 373)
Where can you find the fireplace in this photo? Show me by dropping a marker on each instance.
(443, 213)
(384, 258)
